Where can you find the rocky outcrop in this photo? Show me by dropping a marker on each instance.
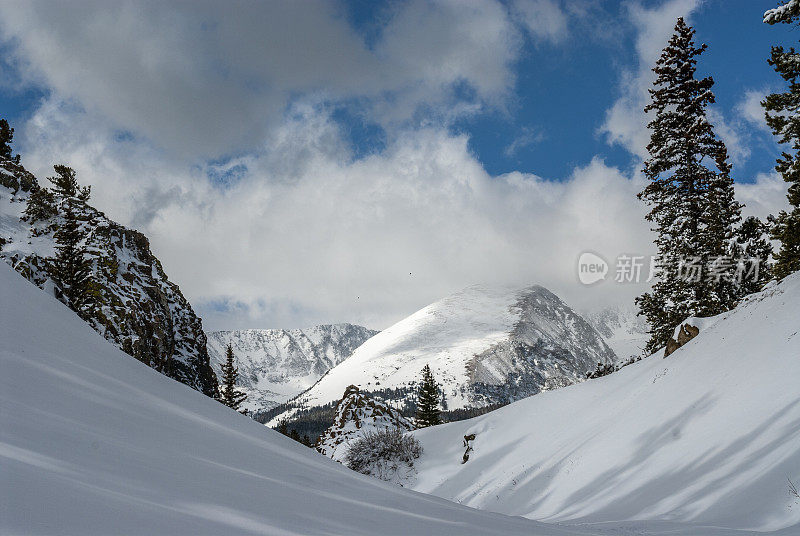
(685, 333)
(356, 414)
(141, 310)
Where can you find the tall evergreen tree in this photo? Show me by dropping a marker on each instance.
(71, 267)
(6, 137)
(229, 394)
(690, 194)
(428, 413)
(782, 111)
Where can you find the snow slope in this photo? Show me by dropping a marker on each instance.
(278, 364)
(93, 442)
(484, 345)
(707, 436)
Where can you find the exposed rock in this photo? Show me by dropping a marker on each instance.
(686, 333)
(357, 413)
(142, 311)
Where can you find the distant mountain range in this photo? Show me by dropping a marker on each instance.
(624, 331)
(278, 364)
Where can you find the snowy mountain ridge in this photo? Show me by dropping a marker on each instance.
(622, 329)
(278, 364)
(484, 346)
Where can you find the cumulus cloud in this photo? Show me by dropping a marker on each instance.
(750, 109)
(308, 234)
(543, 19)
(207, 78)
(211, 131)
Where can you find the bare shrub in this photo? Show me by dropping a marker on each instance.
(385, 454)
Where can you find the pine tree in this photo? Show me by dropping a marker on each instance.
(428, 397)
(781, 111)
(71, 268)
(41, 205)
(6, 136)
(692, 205)
(752, 250)
(66, 184)
(230, 396)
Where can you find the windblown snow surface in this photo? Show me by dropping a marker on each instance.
(708, 437)
(94, 442)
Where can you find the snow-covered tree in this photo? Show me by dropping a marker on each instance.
(752, 250)
(690, 195)
(782, 112)
(229, 394)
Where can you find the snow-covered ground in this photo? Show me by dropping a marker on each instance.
(278, 364)
(93, 442)
(709, 436)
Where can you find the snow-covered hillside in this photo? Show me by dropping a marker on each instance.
(709, 435)
(93, 442)
(278, 364)
(484, 345)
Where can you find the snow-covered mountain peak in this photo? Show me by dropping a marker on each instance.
(485, 345)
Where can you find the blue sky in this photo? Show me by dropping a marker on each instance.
(292, 163)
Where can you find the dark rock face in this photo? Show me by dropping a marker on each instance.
(550, 347)
(141, 312)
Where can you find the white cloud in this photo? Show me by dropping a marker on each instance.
(764, 196)
(526, 137)
(307, 234)
(543, 19)
(750, 109)
(206, 78)
(293, 229)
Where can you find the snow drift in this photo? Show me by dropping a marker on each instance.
(709, 436)
(93, 441)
